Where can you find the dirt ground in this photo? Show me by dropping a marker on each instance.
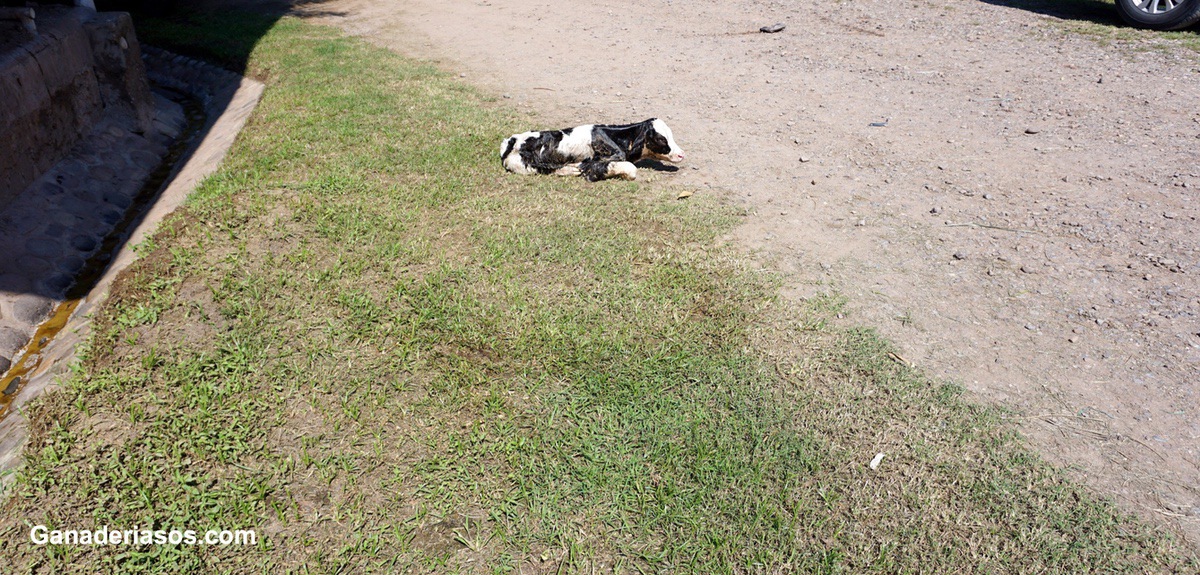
(1021, 223)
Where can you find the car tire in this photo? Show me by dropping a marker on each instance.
(1160, 14)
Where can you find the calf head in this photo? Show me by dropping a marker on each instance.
(660, 144)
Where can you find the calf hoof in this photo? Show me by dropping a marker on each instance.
(623, 170)
(568, 170)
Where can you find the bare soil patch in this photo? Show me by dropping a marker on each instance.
(1022, 224)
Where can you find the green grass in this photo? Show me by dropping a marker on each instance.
(365, 341)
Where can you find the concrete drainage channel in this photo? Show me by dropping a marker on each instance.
(72, 231)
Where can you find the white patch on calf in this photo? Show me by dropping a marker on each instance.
(578, 144)
(623, 170)
(676, 153)
(512, 162)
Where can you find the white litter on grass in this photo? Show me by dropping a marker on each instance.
(875, 462)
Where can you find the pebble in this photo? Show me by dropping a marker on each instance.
(103, 173)
(71, 265)
(13, 386)
(805, 159)
(67, 220)
(5, 363)
(111, 217)
(31, 308)
(166, 129)
(83, 243)
(72, 173)
(960, 255)
(1032, 130)
(43, 247)
(935, 210)
(78, 206)
(32, 265)
(49, 189)
(10, 341)
(57, 284)
(117, 199)
(22, 221)
(56, 230)
(145, 160)
(14, 283)
(773, 28)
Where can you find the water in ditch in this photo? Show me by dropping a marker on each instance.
(30, 357)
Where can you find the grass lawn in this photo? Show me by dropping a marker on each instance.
(365, 341)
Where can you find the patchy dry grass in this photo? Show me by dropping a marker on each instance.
(1098, 19)
(366, 342)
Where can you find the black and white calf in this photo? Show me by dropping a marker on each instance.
(594, 151)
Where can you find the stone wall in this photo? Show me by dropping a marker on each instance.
(80, 67)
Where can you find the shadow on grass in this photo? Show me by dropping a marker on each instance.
(1094, 11)
(178, 25)
(186, 28)
(1097, 12)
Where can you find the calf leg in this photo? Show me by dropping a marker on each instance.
(595, 170)
(623, 170)
(568, 170)
(609, 161)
